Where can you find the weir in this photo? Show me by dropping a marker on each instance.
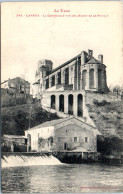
(28, 159)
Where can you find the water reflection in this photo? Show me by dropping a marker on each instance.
(63, 178)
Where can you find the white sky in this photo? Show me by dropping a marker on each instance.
(26, 40)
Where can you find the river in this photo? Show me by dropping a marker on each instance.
(71, 178)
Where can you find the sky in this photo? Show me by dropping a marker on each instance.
(27, 39)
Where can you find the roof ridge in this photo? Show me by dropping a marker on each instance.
(44, 123)
(84, 122)
(95, 60)
(61, 120)
(78, 120)
(65, 120)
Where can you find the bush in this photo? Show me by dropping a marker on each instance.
(20, 101)
(107, 145)
(8, 101)
(15, 120)
(103, 103)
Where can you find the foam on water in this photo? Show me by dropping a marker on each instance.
(14, 161)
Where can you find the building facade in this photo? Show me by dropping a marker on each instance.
(17, 87)
(82, 72)
(63, 135)
(64, 88)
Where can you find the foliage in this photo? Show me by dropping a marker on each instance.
(103, 103)
(15, 120)
(108, 145)
(10, 101)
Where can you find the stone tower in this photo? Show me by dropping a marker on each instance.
(93, 72)
(44, 67)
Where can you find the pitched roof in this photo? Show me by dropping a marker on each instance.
(64, 64)
(55, 122)
(93, 61)
(48, 123)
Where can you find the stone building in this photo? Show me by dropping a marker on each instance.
(83, 72)
(44, 69)
(17, 87)
(63, 134)
(64, 88)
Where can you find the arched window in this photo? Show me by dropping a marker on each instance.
(80, 105)
(99, 79)
(84, 79)
(61, 103)
(53, 80)
(53, 99)
(91, 78)
(66, 76)
(59, 78)
(70, 104)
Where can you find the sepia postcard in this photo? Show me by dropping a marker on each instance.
(61, 97)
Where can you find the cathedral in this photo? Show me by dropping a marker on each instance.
(64, 87)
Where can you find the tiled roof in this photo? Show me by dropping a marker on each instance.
(93, 61)
(48, 123)
(55, 122)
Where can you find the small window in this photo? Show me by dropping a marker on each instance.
(75, 139)
(86, 139)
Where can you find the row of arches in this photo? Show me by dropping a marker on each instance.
(71, 101)
(101, 74)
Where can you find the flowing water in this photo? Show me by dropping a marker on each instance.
(16, 160)
(46, 174)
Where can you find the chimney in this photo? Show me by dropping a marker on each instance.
(90, 53)
(100, 58)
(83, 57)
